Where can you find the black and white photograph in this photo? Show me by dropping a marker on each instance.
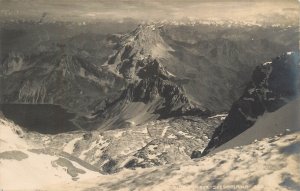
(149, 95)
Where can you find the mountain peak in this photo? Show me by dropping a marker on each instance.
(136, 49)
(145, 40)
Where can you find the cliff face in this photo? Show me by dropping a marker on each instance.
(273, 85)
(156, 83)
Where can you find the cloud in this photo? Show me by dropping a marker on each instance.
(146, 9)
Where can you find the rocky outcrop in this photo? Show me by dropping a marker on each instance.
(155, 88)
(173, 100)
(273, 85)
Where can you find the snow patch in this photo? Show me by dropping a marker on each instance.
(118, 134)
(69, 148)
(164, 131)
(267, 63)
(248, 99)
(218, 115)
(184, 134)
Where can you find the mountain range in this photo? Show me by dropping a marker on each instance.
(90, 110)
(159, 67)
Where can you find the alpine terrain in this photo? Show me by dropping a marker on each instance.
(140, 95)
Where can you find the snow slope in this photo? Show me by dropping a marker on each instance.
(23, 166)
(268, 125)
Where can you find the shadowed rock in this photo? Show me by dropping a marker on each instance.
(273, 85)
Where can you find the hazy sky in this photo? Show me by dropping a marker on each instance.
(78, 10)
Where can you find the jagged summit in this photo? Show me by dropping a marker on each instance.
(144, 33)
(142, 44)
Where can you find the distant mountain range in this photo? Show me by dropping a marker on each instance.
(169, 70)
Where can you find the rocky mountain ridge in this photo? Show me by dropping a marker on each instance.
(273, 85)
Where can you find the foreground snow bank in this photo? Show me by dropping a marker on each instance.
(269, 164)
(269, 124)
(24, 167)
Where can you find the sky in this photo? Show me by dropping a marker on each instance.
(78, 10)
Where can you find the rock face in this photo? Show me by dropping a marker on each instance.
(155, 87)
(273, 85)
